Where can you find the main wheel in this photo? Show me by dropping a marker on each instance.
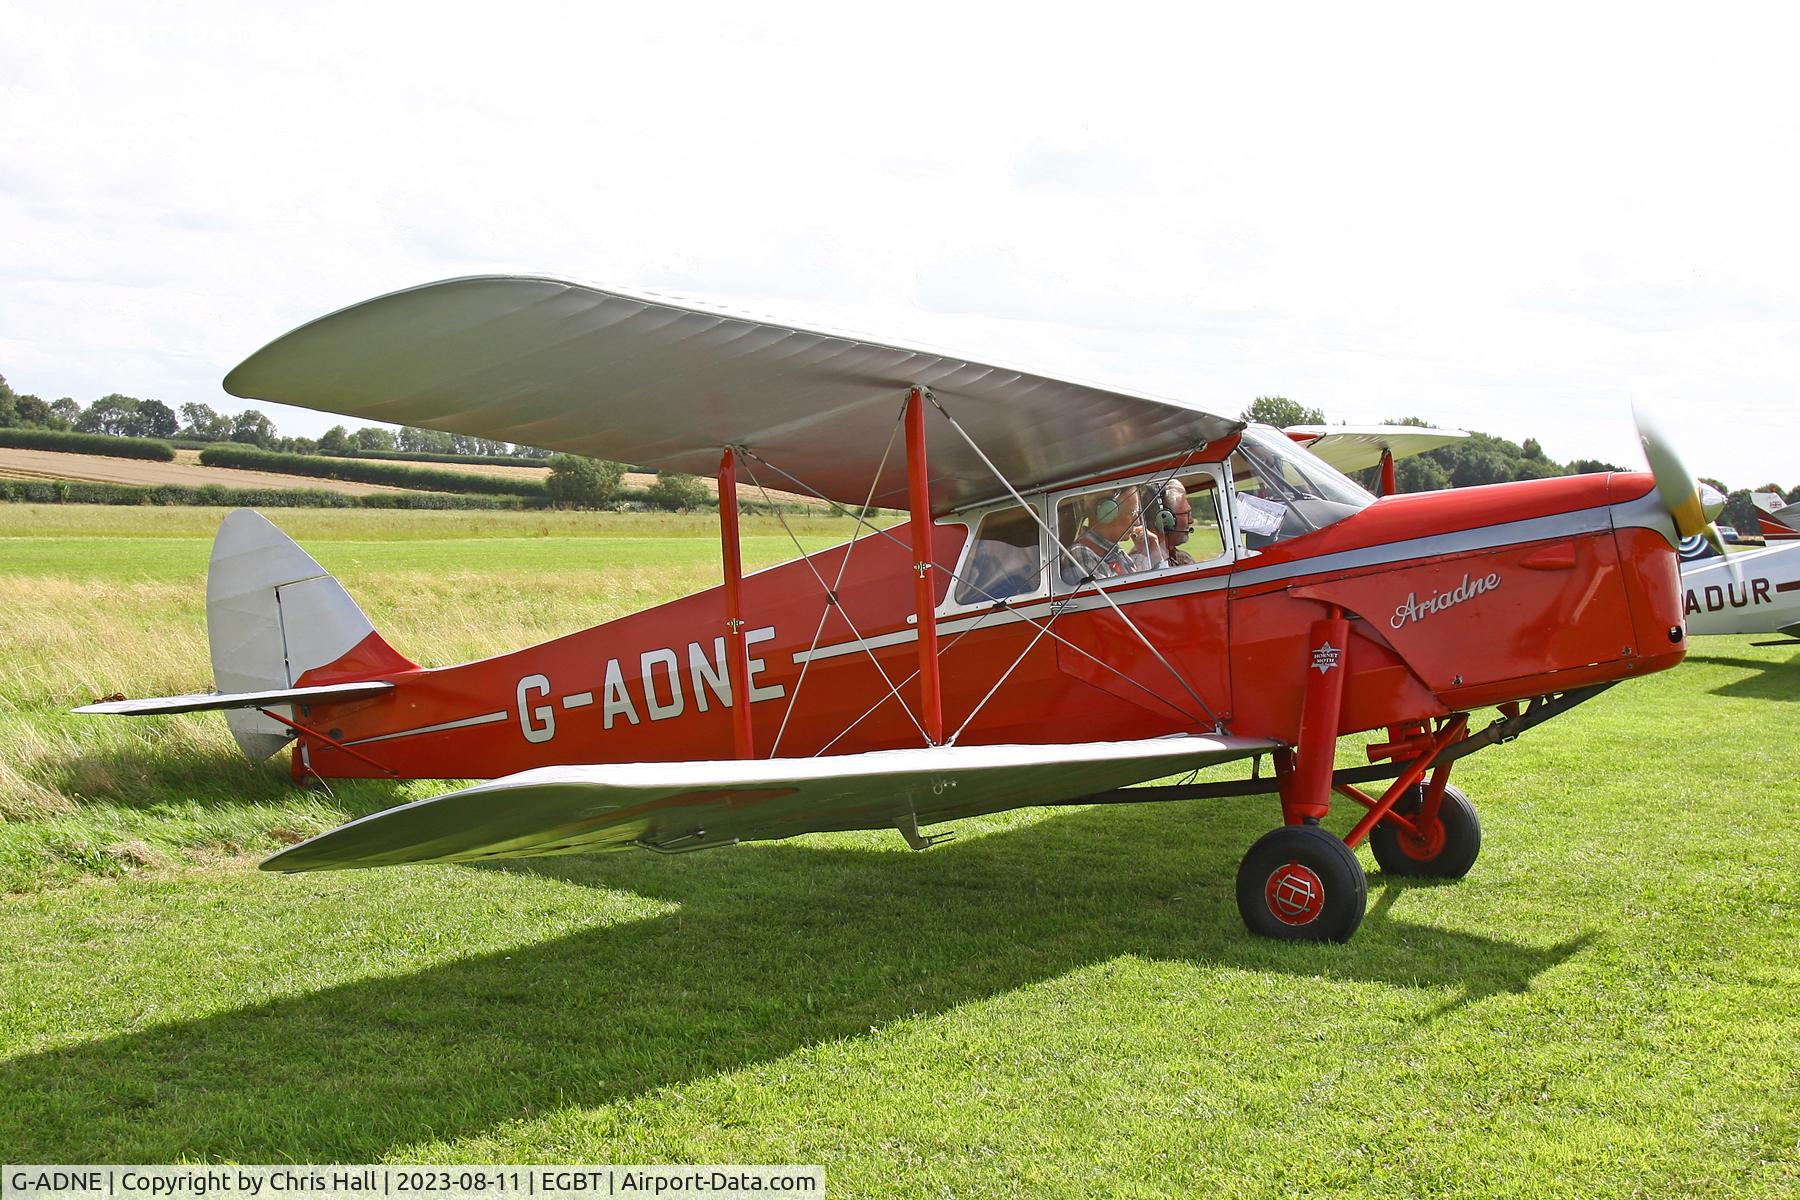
(1302, 884)
(1446, 849)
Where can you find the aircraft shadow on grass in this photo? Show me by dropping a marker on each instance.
(804, 945)
(1768, 679)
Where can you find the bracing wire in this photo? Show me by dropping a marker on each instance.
(831, 595)
(893, 689)
(1070, 556)
(998, 601)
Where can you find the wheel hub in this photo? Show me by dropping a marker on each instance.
(1295, 894)
(1424, 842)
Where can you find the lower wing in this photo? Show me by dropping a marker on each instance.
(695, 805)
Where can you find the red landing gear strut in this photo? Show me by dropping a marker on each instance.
(1300, 882)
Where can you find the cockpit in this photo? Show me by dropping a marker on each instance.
(1191, 516)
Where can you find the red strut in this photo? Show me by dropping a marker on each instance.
(918, 499)
(737, 650)
(1306, 794)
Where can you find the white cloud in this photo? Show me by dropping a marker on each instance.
(1513, 221)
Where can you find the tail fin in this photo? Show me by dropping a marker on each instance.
(1775, 517)
(272, 615)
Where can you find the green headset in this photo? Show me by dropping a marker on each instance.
(1154, 508)
(1107, 511)
(1158, 517)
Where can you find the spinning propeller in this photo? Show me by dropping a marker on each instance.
(1692, 503)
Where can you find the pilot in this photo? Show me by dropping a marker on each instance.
(1110, 518)
(1169, 516)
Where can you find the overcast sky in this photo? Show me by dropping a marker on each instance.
(1517, 223)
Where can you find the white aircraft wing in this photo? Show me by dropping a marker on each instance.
(658, 382)
(1358, 447)
(694, 805)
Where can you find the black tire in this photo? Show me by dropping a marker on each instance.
(1447, 852)
(1299, 883)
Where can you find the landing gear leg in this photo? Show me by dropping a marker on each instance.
(1299, 882)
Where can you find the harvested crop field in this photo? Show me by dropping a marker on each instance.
(185, 471)
(636, 480)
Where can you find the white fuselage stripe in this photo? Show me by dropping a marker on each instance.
(466, 722)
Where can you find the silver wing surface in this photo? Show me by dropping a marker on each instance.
(683, 806)
(1358, 447)
(659, 382)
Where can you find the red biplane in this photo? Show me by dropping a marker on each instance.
(1094, 589)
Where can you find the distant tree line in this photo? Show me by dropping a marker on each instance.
(591, 483)
(1483, 458)
(574, 481)
(119, 415)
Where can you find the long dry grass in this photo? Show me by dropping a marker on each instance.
(91, 607)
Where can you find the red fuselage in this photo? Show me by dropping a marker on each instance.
(1458, 600)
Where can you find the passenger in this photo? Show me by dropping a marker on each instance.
(1110, 518)
(1169, 516)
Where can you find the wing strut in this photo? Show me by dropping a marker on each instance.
(918, 484)
(737, 650)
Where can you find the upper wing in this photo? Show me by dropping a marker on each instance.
(659, 383)
(670, 806)
(1358, 447)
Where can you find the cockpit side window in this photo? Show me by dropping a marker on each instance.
(1005, 561)
(1182, 516)
(1104, 532)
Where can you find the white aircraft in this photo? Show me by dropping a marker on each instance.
(1755, 592)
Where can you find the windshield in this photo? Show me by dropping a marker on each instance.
(1284, 491)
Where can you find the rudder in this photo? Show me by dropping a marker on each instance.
(273, 614)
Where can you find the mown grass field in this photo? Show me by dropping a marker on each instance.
(1061, 1002)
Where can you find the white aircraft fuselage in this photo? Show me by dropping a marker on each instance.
(1765, 598)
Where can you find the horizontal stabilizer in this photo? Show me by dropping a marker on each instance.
(693, 805)
(212, 701)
